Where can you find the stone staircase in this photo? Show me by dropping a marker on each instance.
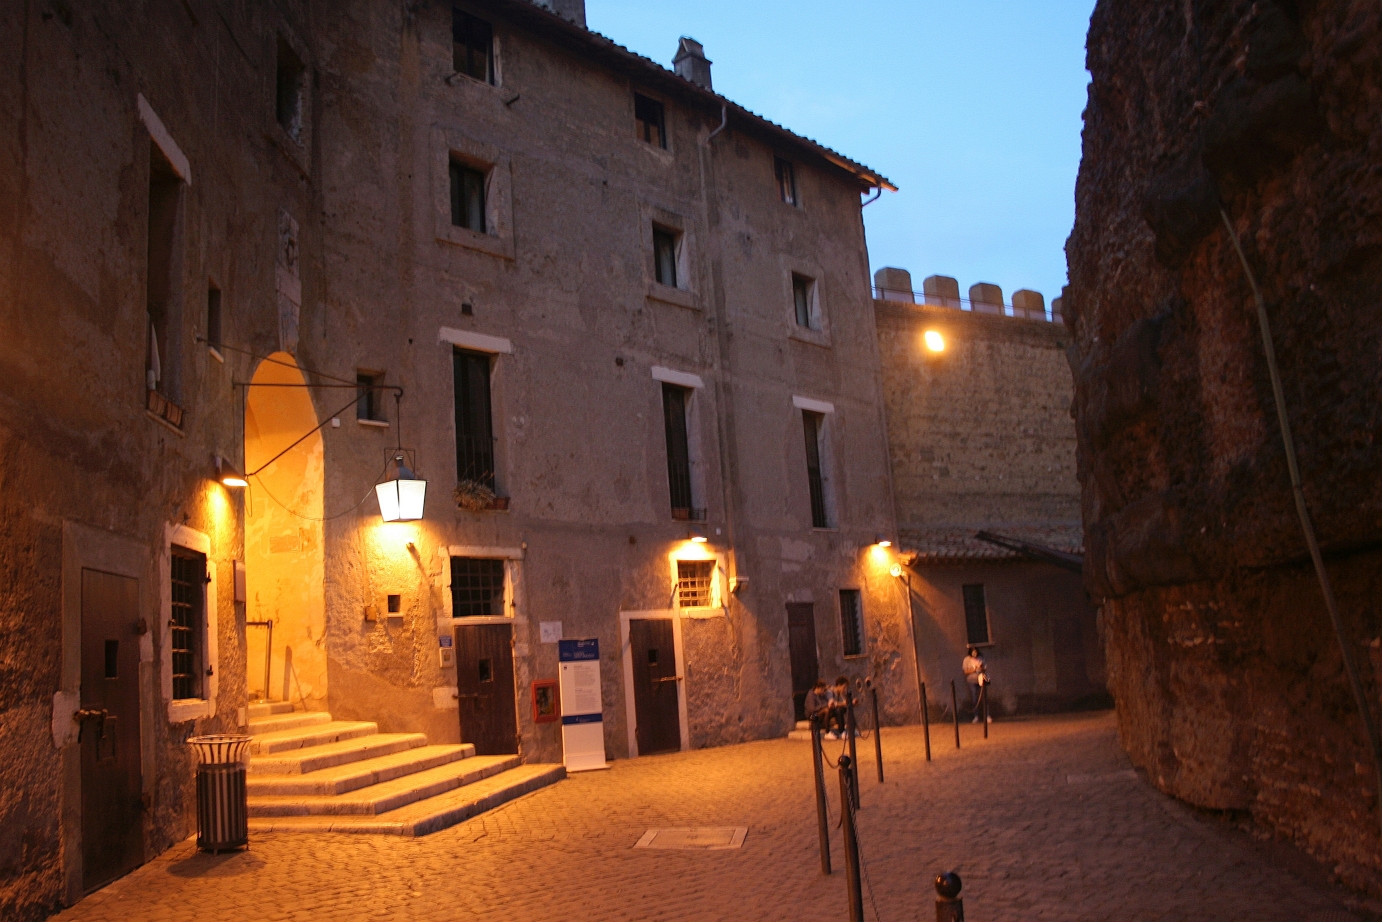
(310, 773)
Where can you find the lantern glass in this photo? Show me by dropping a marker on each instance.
(401, 500)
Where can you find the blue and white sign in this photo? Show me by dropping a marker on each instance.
(582, 710)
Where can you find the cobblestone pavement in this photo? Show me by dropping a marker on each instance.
(1045, 820)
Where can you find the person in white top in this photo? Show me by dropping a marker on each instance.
(976, 674)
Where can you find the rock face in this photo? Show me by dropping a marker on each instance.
(1230, 684)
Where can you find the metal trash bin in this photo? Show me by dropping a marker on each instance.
(222, 814)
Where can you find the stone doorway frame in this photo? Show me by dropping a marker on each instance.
(626, 658)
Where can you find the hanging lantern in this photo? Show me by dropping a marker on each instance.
(401, 499)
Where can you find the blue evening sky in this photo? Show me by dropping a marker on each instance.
(971, 108)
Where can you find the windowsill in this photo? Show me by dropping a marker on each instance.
(295, 149)
(458, 76)
(706, 612)
(849, 656)
(373, 423)
(216, 354)
(813, 337)
(661, 153)
(474, 240)
(988, 643)
(828, 529)
(681, 297)
(184, 709)
(498, 504)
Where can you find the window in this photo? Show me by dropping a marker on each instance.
(695, 583)
(674, 401)
(474, 423)
(786, 180)
(976, 614)
(804, 299)
(370, 407)
(852, 621)
(467, 197)
(814, 426)
(472, 46)
(648, 121)
(188, 583)
(477, 587)
(288, 99)
(164, 304)
(665, 256)
(213, 317)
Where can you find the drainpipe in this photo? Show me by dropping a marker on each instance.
(724, 119)
(877, 193)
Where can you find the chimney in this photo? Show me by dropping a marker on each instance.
(571, 10)
(691, 63)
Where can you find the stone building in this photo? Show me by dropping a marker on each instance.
(983, 456)
(629, 324)
(1230, 678)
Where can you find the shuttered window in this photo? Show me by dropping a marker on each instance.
(812, 424)
(472, 46)
(678, 450)
(976, 614)
(474, 423)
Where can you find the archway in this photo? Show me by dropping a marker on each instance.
(284, 554)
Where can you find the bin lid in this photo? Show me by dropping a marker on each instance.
(219, 748)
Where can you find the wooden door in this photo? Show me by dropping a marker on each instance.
(484, 684)
(655, 681)
(112, 784)
(801, 640)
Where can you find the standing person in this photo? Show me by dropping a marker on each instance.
(976, 674)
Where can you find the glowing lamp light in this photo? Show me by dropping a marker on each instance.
(883, 542)
(401, 499)
(697, 536)
(895, 571)
(228, 475)
(935, 342)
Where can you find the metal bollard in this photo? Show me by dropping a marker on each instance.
(822, 820)
(955, 708)
(852, 731)
(877, 733)
(984, 698)
(852, 883)
(926, 720)
(949, 906)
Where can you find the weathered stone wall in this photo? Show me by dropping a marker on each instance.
(1229, 681)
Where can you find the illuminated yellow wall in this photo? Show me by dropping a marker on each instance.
(283, 538)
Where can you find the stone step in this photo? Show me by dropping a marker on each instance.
(267, 708)
(387, 795)
(258, 726)
(329, 755)
(429, 815)
(351, 776)
(317, 735)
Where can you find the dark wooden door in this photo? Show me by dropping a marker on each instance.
(112, 785)
(655, 681)
(801, 640)
(484, 684)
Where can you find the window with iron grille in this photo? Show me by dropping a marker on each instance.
(852, 621)
(474, 424)
(468, 197)
(477, 587)
(802, 296)
(472, 46)
(665, 256)
(786, 180)
(695, 587)
(187, 591)
(976, 614)
(648, 120)
(813, 423)
(678, 450)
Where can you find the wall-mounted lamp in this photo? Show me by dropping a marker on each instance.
(935, 342)
(401, 499)
(882, 541)
(697, 536)
(228, 474)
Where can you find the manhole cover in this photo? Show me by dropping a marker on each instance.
(704, 838)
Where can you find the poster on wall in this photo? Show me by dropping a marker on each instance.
(582, 711)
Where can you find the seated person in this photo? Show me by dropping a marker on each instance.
(818, 704)
(839, 705)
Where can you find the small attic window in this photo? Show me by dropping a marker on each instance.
(649, 122)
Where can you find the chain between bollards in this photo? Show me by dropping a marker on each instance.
(926, 720)
(877, 732)
(955, 709)
(852, 878)
(822, 819)
(949, 906)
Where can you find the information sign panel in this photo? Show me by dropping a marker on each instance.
(582, 710)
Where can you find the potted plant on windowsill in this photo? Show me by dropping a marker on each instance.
(475, 496)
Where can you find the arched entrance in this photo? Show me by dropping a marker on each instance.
(284, 555)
